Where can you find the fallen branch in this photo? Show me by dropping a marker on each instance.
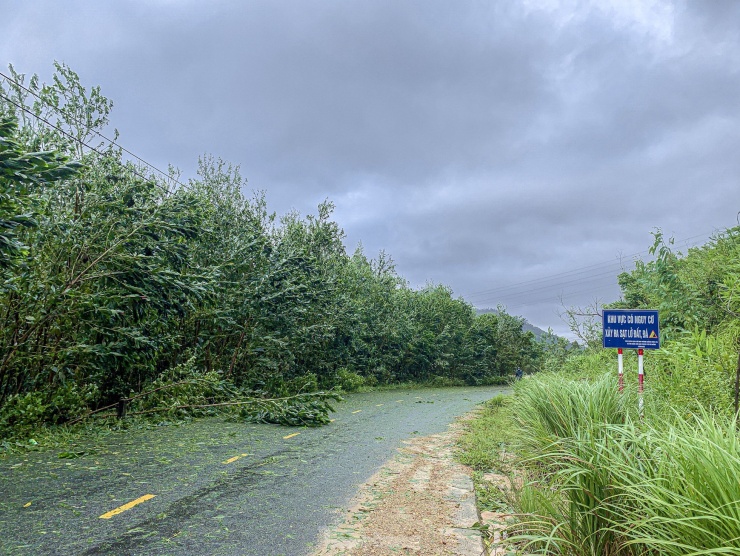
(132, 398)
(276, 405)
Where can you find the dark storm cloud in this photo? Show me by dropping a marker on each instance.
(479, 143)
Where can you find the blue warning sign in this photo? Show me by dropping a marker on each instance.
(631, 329)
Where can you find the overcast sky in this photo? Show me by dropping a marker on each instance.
(518, 151)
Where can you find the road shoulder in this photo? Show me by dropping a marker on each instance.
(420, 502)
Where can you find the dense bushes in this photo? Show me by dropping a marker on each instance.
(601, 479)
(112, 277)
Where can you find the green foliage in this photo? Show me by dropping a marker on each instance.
(185, 390)
(696, 371)
(77, 113)
(600, 482)
(563, 426)
(116, 284)
(686, 500)
(485, 438)
(22, 176)
(23, 413)
(309, 409)
(551, 408)
(598, 478)
(349, 381)
(698, 290)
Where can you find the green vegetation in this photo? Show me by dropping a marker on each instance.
(590, 476)
(119, 285)
(478, 444)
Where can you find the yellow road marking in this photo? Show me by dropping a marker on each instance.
(291, 435)
(128, 506)
(357, 411)
(232, 460)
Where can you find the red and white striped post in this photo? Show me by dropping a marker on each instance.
(620, 362)
(641, 378)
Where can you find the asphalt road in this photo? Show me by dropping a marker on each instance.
(212, 487)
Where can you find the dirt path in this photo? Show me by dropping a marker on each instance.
(421, 503)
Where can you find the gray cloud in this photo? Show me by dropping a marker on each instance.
(480, 144)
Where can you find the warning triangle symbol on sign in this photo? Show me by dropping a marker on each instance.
(653, 334)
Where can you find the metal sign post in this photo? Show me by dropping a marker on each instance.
(640, 380)
(632, 329)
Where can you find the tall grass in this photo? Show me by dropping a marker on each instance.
(685, 497)
(550, 409)
(603, 483)
(563, 426)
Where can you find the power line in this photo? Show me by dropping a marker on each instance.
(579, 270)
(530, 291)
(514, 292)
(550, 277)
(111, 141)
(535, 284)
(72, 137)
(560, 297)
(80, 141)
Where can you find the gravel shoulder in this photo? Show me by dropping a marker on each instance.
(420, 502)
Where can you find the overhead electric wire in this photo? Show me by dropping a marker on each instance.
(80, 141)
(527, 297)
(515, 294)
(559, 297)
(579, 270)
(70, 136)
(535, 285)
(512, 293)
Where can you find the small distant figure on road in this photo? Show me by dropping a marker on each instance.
(518, 373)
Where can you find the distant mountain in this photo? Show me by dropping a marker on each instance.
(527, 327)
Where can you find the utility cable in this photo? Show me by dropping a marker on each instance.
(576, 271)
(591, 278)
(510, 290)
(73, 138)
(514, 296)
(536, 295)
(537, 285)
(111, 141)
(90, 147)
(579, 270)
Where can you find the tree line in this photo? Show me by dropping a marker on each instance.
(114, 278)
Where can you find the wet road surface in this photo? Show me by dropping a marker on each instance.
(213, 487)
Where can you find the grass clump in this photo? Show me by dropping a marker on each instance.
(684, 498)
(600, 481)
(548, 410)
(480, 447)
(485, 447)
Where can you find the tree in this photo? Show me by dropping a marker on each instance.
(23, 175)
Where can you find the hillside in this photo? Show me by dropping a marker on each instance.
(526, 326)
